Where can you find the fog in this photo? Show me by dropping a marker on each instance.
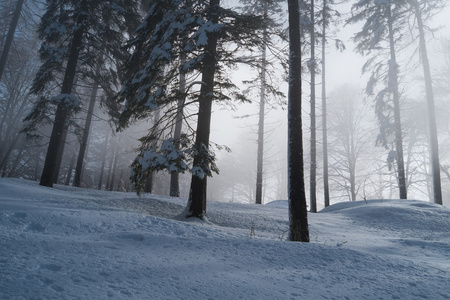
(351, 112)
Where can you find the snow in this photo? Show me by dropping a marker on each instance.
(73, 243)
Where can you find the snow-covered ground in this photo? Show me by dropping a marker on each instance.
(70, 243)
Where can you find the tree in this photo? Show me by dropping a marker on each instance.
(313, 142)
(298, 217)
(326, 189)
(216, 35)
(10, 36)
(328, 16)
(84, 139)
(384, 21)
(419, 8)
(15, 99)
(269, 10)
(349, 139)
(77, 35)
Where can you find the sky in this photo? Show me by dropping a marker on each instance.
(74, 243)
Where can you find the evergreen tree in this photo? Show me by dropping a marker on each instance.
(384, 22)
(327, 16)
(77, 36)
(270, 10)
(10, 36)
(312, 64)
(424, 10)
(215, 37)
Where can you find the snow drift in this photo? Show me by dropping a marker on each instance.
(71, 243)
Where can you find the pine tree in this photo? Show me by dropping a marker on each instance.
(10, 36)
(313, 142)
(77, 36)
(327, 16)
(384, 21)
(422, 10)
(216, 36)
(270, 10)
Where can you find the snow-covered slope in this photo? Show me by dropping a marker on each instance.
(69, 243)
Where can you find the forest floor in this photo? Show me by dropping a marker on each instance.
(74, 243)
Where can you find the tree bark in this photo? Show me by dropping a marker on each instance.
(326, 188)
(313, 163)
(57, 138)
(10, 36)
(85, 138)
(262, 100)
(197, 195)
(434, 145)
(298, 216)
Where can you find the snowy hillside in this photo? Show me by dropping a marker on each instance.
(69, 243)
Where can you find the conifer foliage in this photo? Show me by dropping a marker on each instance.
(77, 37)
(381, 34)
(209, 38)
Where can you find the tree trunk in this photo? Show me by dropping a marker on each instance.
(10, 36)
(148, 187)
(393, 87)
(175, 176)
(262, 100)
(84, 141)
(434, 145)
(70, 169)
(59, 156)
(298, 216)
(197, 195)
(57, 138)
(326, 188)
(312, 67)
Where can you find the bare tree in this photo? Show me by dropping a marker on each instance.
(349, 139)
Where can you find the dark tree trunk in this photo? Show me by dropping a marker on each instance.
(298, 216)
(10, 36)
(59, 156)
(393, 82)
(262, 100)
(197, 194)
(312, 67)
(434, 145)
(326, 188)
(57, 138)
(85, 138)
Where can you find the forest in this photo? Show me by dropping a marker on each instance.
(248, 101)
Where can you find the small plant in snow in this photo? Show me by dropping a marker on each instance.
(252, 228)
